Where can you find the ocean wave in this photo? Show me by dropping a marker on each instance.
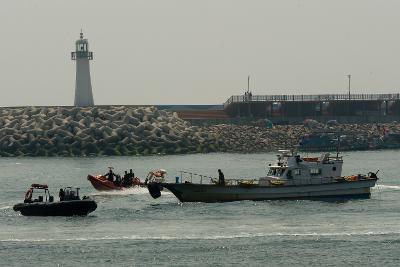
(213, 237)
(5, 208)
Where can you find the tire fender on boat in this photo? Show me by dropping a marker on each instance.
(154, 190)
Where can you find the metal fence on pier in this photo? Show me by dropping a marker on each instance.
(311, 98)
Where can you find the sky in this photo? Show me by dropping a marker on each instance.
(197, 52)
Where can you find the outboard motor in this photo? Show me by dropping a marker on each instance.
(154, 190)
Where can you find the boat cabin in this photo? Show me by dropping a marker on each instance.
(290, 166)
(42, 192)
(66, 194)
(71, 193)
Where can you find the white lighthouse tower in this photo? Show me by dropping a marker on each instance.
(83, 86)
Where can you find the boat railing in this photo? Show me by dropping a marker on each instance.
(205, 179)
(195, 177)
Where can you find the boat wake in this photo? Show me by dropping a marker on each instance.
(202, 237)
(386, 187)
(5, 208)
(125, 192)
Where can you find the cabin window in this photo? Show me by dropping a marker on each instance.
(333, 168)
(315, 171)
(297, 172)
(271, 171)
(276, 171)
(289, 174)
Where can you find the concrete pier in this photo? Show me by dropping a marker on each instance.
(342, 107)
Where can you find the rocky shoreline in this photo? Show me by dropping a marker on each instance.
(119, 130)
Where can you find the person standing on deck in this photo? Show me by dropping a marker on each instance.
(221, 179)
(61, 194)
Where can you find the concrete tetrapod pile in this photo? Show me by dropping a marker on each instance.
(250, 139)
(113, 130)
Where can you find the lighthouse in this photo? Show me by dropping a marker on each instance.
(83, 86)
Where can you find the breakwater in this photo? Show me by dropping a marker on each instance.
(118, 130)
(121, 130)
(312, 136)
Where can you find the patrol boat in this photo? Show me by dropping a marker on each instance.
(291, 177)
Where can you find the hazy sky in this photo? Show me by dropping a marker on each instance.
(197, 52)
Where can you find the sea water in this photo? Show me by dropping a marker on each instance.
(129, 228)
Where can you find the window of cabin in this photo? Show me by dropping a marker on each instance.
(272, 171)
(315, 171)
(333, 168)
(297, 172)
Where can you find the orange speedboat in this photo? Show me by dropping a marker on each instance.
(101, 183)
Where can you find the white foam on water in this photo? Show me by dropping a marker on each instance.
(213, 237)
(5, 207)
(137, 190)
(385, 187)
(129, 191)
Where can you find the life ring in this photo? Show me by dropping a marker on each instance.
(136, 181)
(28, 194)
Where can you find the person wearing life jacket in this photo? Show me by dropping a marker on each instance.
(28, 195)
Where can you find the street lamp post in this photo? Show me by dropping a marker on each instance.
(349, 76)
(348, 106)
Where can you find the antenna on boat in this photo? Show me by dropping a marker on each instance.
(338, 146)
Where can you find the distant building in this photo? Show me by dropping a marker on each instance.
(83, 86)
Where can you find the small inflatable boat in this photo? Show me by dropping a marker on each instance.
(112, 181)
(101, 183)
(69, 205)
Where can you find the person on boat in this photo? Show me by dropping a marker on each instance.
(128, 178)
(125, 179)
(110, 175)
(118, 180)
(221, 177)
(131, 176)
(28, 196)
(61, 194)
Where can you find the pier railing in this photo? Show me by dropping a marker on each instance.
(311, 98)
